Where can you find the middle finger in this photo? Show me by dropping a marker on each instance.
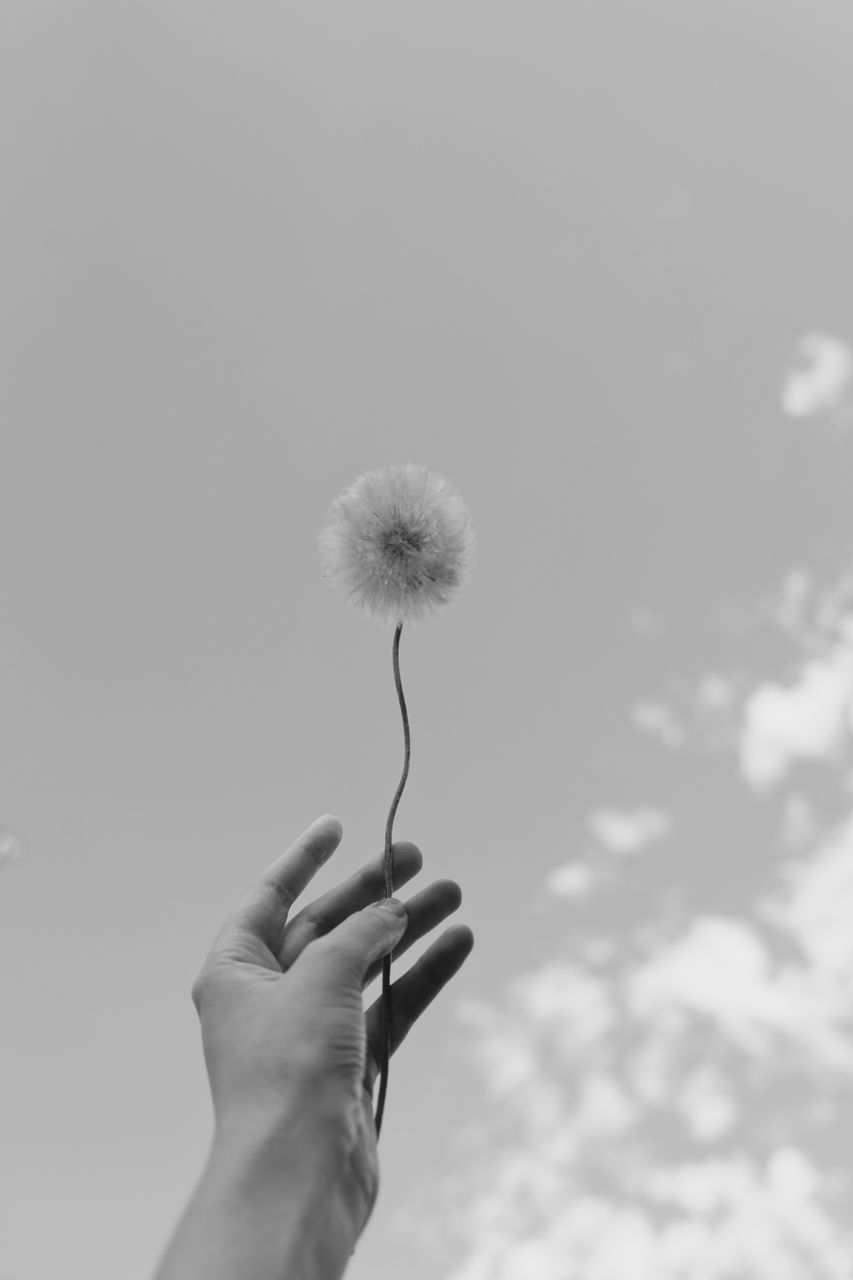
(365, 886)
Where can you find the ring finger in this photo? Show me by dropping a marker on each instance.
(413, 992)
(425, 910)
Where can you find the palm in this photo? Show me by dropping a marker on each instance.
(313, 1026)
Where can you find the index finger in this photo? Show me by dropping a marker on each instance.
(262, 914)
(292, 871)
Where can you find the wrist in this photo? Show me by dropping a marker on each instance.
(273, 1203)
(291, 1170)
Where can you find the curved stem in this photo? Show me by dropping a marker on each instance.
(385, 1022)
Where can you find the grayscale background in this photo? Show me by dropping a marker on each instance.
(592, 261)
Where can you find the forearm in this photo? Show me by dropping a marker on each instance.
(267, 1207)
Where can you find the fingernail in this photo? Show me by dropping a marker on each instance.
(394, 905)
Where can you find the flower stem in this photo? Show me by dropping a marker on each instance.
(385, 1021)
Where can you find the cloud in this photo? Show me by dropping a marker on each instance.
(656, 719)
(710, 1219)
(581, 1185)
(580, 1176)
(821, 380)
(629, 831)
(707, 1103)
(720, 971)
(799, 821)
(789, 610)
(719, 968)
(11, 845)
(556, 1020)
(619, 831)
(663, 1091)
(815, 907)
(715, 693)
(834, 616)
(805, 720)
(572, 880)
(810, 615)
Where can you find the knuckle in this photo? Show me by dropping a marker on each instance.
(197, 989)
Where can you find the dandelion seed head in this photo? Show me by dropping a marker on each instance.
(398, 543)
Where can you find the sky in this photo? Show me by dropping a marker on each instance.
(590, 262)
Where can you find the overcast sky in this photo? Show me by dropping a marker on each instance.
(591, 262)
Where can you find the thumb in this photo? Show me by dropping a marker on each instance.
(366, 936)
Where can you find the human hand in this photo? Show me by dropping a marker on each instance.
(284, 1031)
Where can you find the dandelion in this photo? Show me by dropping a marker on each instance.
(398, 543)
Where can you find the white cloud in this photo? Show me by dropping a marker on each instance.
(805, 720)
(720, 970)
(703, 1187)
(604, 1108)
(580, 1186)
(11, 845)
(656, 719)
(556, 1020)
(715, 693)
(799, 821)
(638, 1109)
(629, 831)
(790, 608)
(507, 1057)
(821, 379)
(707, 1103)
(728, 1216)
(562, 1002)
(813, 617)
(652, 1068)
(572, 880)
(833, 610)
(815, 907)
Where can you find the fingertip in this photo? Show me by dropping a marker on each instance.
(333, 825)
(453, 890)
(462, 937)
(405, 850)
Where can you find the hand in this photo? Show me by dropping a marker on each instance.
(280, 999)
